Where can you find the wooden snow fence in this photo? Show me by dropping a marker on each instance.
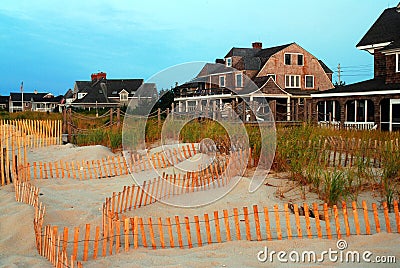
(107, 167)
(339, 152)
(68, 247)
(16, 136)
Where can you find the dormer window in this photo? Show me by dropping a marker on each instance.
(398, 62)
(81, 95)
(290, 59)
(123, 95)
(229, 62)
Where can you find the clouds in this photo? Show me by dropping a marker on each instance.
(54, 43)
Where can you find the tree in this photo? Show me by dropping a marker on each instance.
(341, 84)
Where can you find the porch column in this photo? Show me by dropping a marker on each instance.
(288, 109)
(187, 106)
(342, 115)
(180, 106)
(377, 112)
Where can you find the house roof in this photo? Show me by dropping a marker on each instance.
(36, 97)
(254, 58)
(102, 90)
(385, 29)
(4, 99)
(326, 68)
(375, 84)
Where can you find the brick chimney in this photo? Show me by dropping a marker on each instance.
(257, 45)
(98, 76)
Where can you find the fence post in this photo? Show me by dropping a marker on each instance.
(118, 117)
(376, 218)
(144, 241)
(366, 220)
(207, 223)
(171, 237)
(69, 125)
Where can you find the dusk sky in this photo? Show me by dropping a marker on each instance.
(50, 44)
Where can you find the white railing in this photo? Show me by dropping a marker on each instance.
(359, 125)
(332, 124)
(43, 109)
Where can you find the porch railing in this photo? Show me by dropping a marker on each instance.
(359, 125)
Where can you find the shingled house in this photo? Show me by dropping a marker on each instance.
(102, 92)
(285, 75)
(373, 103)
(38, 102)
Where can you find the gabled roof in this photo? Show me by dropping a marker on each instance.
(255, 58)
(102, 90)
(212, 68)
(267, 85)
(385, 29)
(372, 85)
(326, 68)
(110, 87)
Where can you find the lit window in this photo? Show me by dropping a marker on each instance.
(292, 81)
(239, 80)
(309, 81)
(222, 81)
(229, 62)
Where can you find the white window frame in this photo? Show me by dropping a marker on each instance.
(123, 97)
(273, 76)
(292, 77)
(397, 63)
(241, 80)
(230, 62)
(81, 95)
(305, 81)
(284, 58)
(291, 60)
(302, 64)
(219, 81)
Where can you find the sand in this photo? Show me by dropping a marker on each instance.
(74, 203)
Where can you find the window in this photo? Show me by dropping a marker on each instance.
(271, 75)
(300, 59)
(229, 62)
(292, 81)
(239, 80)
(398, 62)
(124, 97)
(288, 59)
(81, 95)
(222, 81)
(309, 81)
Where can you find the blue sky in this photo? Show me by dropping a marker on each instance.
(51, 44)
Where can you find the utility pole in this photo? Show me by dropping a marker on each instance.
(22, 95)
(338, 70)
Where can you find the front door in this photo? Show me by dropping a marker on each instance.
(394, 115)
